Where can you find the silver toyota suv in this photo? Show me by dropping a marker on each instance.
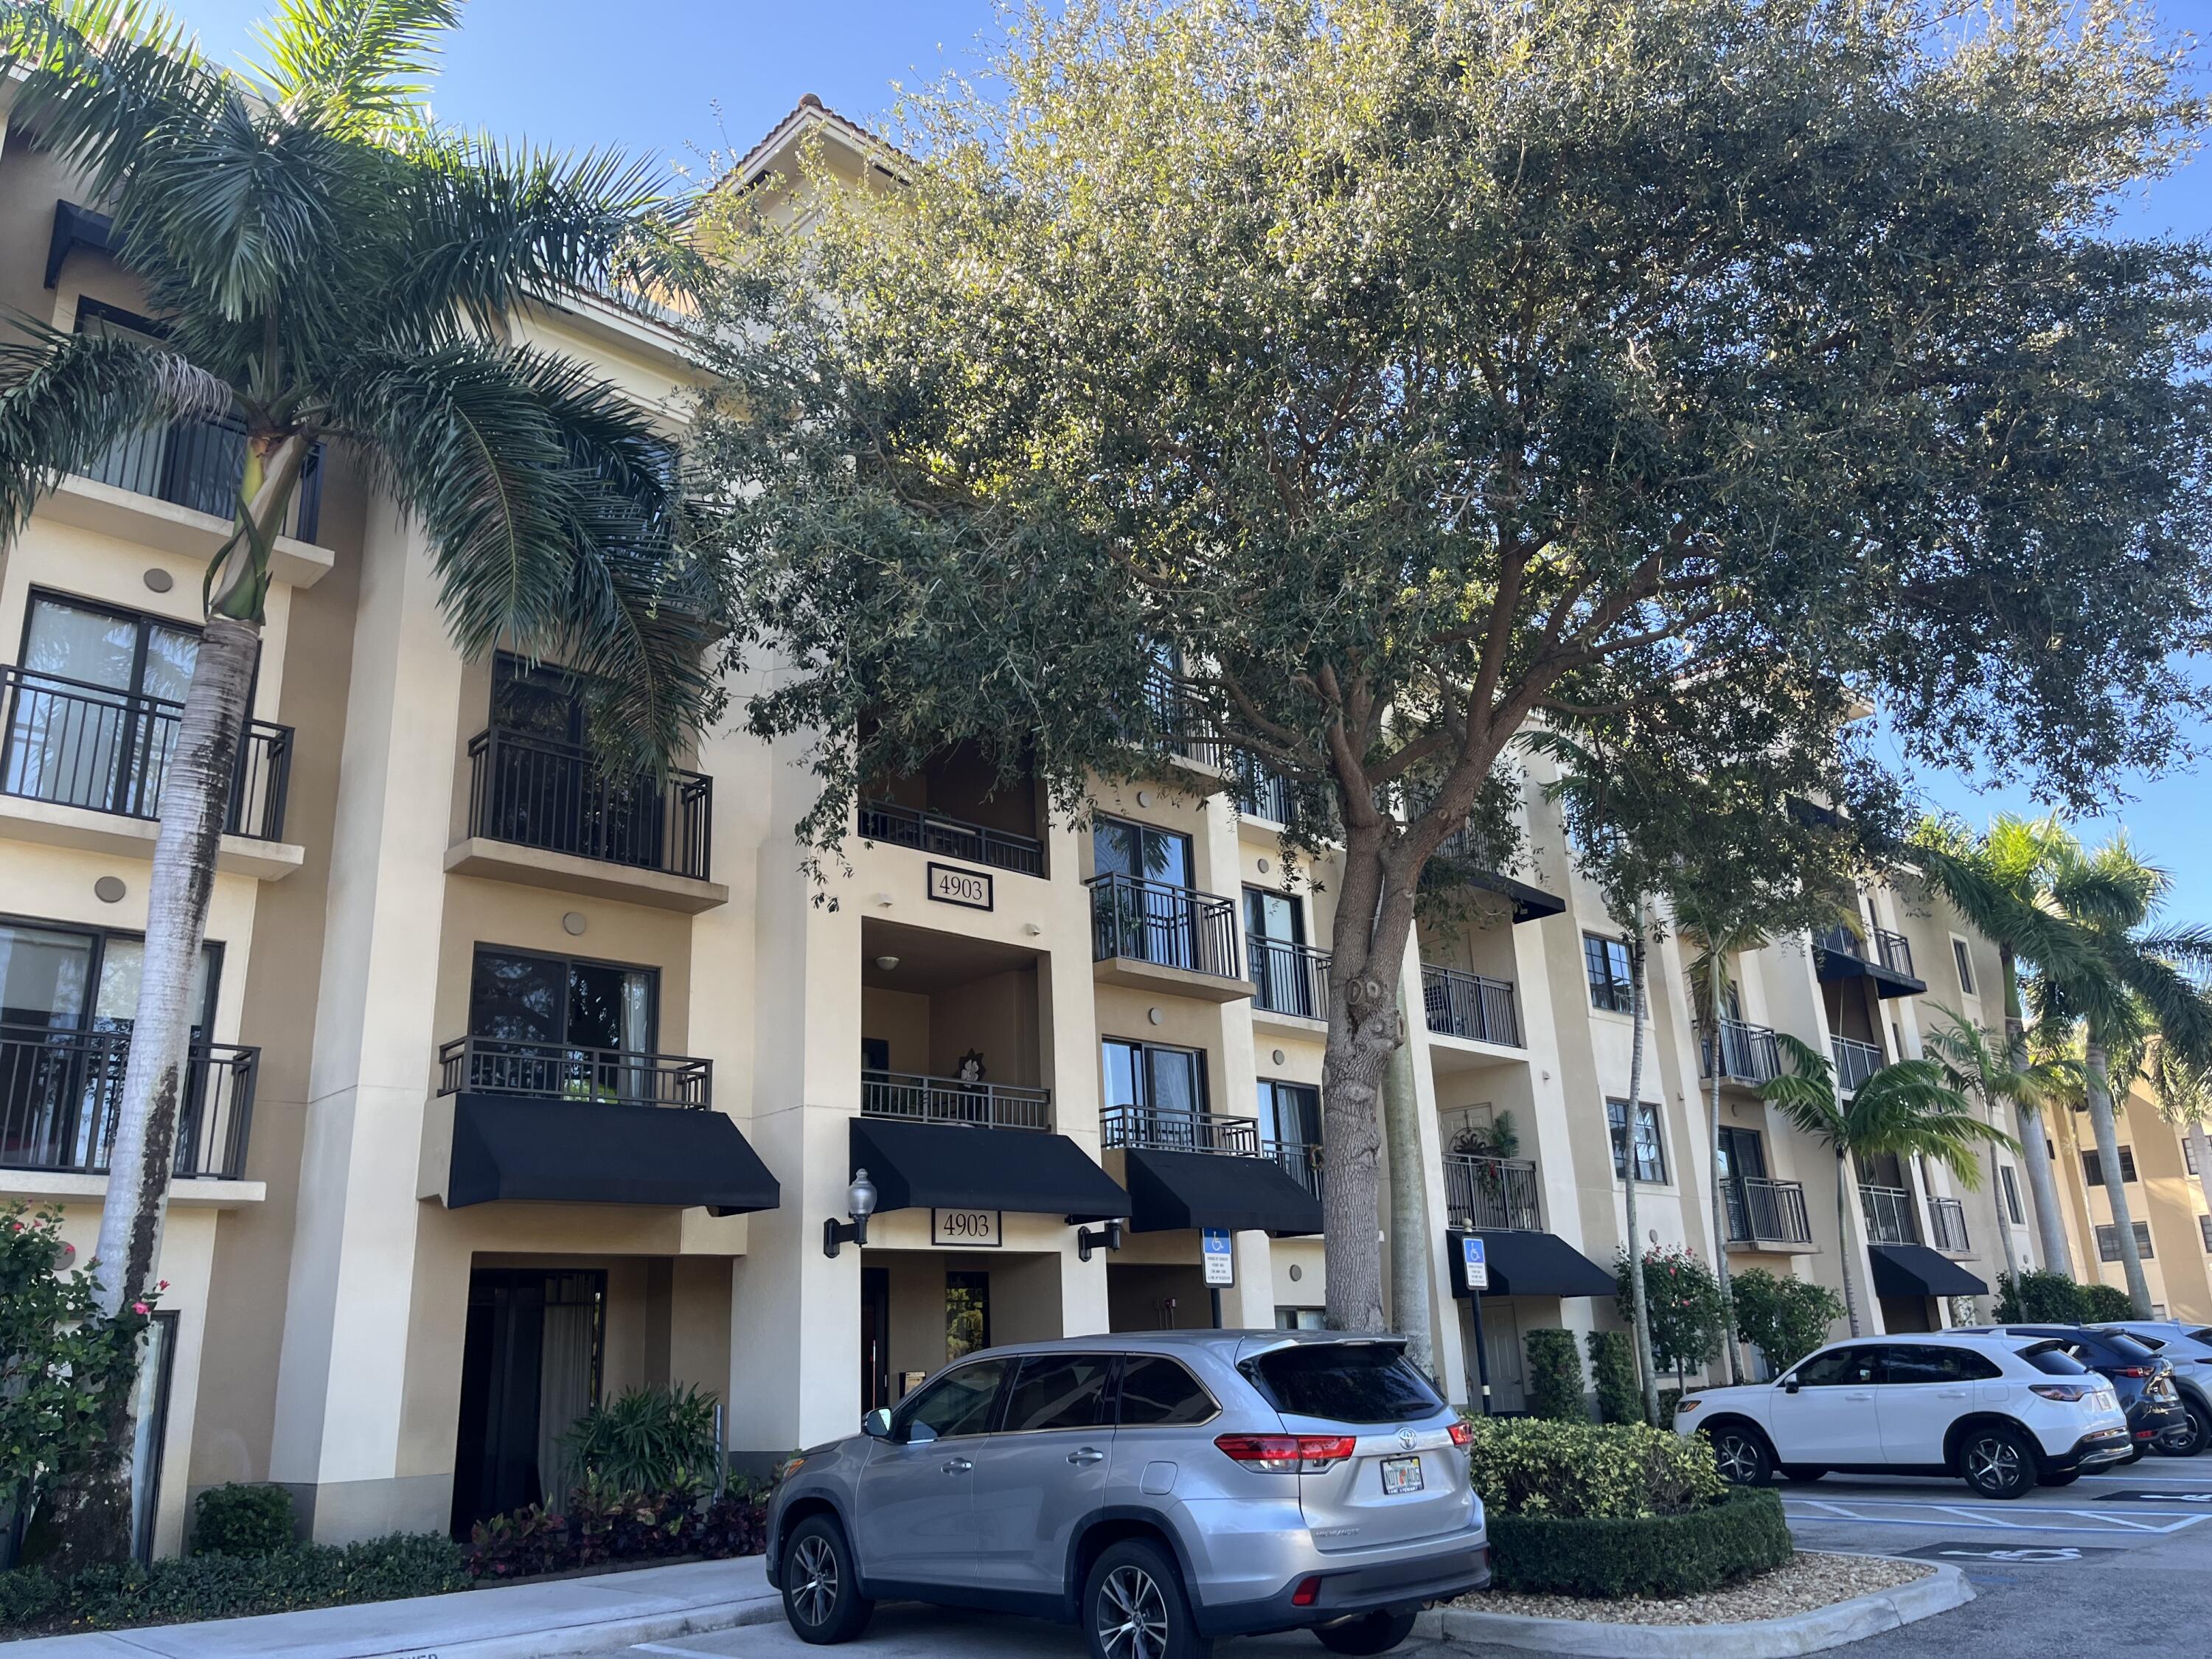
(1157, 1489)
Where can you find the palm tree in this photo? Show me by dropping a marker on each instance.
(1980, 1070)
(1906, 1109)
(323, 265)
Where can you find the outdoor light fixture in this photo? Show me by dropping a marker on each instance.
(887, 963)
(1109, 1236)
(861, 1198)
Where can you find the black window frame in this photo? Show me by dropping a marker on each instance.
(1617, 1127)
(2205, 1226)
(1962, 959)
(1612, 982)
(1143, 1074)
(1187, 885)
(2108, 1242)
(203, 1029)
(2093, 1165)
(2009, 1184)
(569, 960)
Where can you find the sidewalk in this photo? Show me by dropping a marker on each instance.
(514, 1621)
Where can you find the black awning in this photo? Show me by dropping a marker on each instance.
(1529, 903)
(1833, 965)
(1915, 1270)
(585, 1152)
(1169, 1191)
(75, 227)
(965, 1166)
(1530, 1264)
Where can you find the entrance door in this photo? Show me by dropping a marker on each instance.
(1743, 1158)
(1149, 916)
(875, 1338)
(1276, 925)
(530, 1367)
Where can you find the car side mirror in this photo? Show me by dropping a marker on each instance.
(877, 1424)
(1791, 1386)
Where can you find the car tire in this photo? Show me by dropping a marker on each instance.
(822, 1599)
(1378, 1633)
(1134, 1588)
(2199, 1435)
(1997, 1462)
(1741, 1456)
(1801, 1473)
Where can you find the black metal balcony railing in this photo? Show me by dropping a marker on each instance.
(1463, 1004)
(1889, 1218)
(930, 832)
(1761, 1211)
(1184, 725)
(1158, 1128)
(1854, 1061)
(1745, 1052)
(554, 1071)
(1492, 1194)
(1287, 978)
(1158, 922)
(1891, 950)
(76, 743)
(948, 1100)
(199, 465)
(1947, 1225)
(1261, 792)
(553, 796)
(1300, 1160)
(61, 1092)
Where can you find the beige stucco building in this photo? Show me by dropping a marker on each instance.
(519, 1086)
(2173, 1224)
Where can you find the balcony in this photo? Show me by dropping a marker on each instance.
(1947, 1226)
(1183, 727)
(1152, 935)
(1470, 1005)
(72, 743)
(1855, 1062)
(552, 1071)
(1147, 1128)
(199, 465)
(1301, 1161)
(1261, 792)
(1747, 1053)
(919, 1099)
(1288, 978)
(1889, 1218)
(61, 1091)
(1492, 1194)
(1883, 956)
(932, 832)
(1763, 1212)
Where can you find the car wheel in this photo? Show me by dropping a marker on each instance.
(822, 1595)
(1134, 1606)
(2191, 1437)
(1740, 1455)
(1378, 1633)
(1801, 1472)
(1997, 1462)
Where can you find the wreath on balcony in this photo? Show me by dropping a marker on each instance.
(970, 1069)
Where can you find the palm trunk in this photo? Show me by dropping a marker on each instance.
(1650, 1375)
(1719, 989)
(2200, 1150)
(2034, 1143)
(1852, 1255)
(1409, 1206)
(2116, 1191)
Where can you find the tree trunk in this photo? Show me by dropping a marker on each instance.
(2200, 1150)
(2034, 1143)
(1409, 1206)
(1636, 950)
(1718, 989)
(2116, 1191)
(1850, 1251)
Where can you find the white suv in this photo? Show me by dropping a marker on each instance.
(2000, 1412)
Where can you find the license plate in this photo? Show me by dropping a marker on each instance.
(1402, 1475)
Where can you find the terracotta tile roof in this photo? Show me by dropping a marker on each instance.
(782, 129)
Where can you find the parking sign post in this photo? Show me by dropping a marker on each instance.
(1478, 1281)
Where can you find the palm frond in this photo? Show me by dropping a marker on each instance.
(104, 83)
(363, 67)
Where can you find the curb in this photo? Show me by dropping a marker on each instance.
(564, 1640)
(1767, 1639)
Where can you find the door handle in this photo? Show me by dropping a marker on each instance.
(958, 1465)
(1954, 1394)
(1088, 1455)
(1860, 1394)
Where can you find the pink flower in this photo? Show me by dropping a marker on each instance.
(163, 1285)
(140, 1308)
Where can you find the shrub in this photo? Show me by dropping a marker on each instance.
(1785, 1318)
(647, 1440)
(242, 1519)
(2039, 1296)
(27, 1597)
(1612, 1369)
(2103, 1303)
(603, 1524)
(1663, 1555)
(1578, 1471)
(1670, 1402)
(1555, 1377)
(1686, 1306)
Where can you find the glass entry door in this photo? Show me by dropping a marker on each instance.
(563, 1025)
(1159, 1092)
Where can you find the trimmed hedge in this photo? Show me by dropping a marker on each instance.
(1520, 1466)
(1555, 1377)
(1612, 1368)
(1657, 1555)
(242, 1519)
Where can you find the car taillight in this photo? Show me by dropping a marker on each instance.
(1288, 1454)
(1307, 1593)
(2128, 1370)
(1460, 1433)
(2066, 1391)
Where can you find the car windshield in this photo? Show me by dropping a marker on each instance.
(1343, 1382)
(2053, 1360)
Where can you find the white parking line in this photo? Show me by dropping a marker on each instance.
(2154, 1521)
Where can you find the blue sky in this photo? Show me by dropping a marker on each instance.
(667, 76)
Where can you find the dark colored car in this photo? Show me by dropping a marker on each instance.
(2144, 1381)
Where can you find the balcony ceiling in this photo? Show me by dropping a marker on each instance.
(932, 961)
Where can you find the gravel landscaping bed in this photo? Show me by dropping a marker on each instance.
(1810, 1580)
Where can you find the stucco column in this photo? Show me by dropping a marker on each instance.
(1447, 1342)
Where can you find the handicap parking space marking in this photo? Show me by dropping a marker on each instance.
(2012, 1555)
(2155, 1498)
(2107, 1521)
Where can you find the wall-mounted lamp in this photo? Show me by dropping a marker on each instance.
(889, 965)
(1085, 1240)
(860, 1200)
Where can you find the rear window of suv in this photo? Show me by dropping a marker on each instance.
(2053, 1360)
(1343, 1382)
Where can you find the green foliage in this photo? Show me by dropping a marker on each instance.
(2041, 1295)
(1555, 1376)
(237, 1586)
(242, 1519)
(603, 1525)
(650, 1439)
(1666, 1555)
(62, 1365)
(1785, 1317)
(1906, 1109)
(1612, 1370)
(1523, 1466)
(2102, 1303)
(1686, 1305)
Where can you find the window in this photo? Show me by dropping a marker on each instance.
(1158, 1091)
(2108, 1242)
(1650, 1155)
(563, 1002)
(2205, 1226)
(1606, 961)
(957, 1403)
(2189, 1154)
(2011, 1186)
(1343, 1382)
(1909, 1365)
(1961, 958)
(1121, 848)
(1299, 1319)
(1290, 1114)
(1838, 1367)
(1159, 1393)
(1057, 1391)
(1288, 980)
(2093, 1166)
(967, 1314)
(2052, 1360)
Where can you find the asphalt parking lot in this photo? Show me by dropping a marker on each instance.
(2119, 1558)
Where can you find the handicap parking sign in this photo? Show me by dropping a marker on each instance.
(1477, 1268)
